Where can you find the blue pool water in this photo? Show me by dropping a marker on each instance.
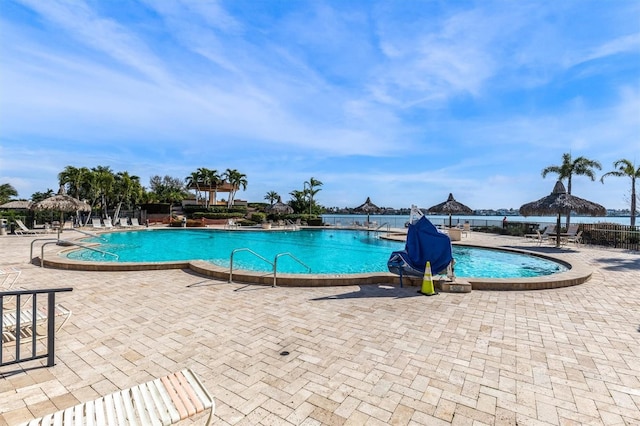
(324, 251)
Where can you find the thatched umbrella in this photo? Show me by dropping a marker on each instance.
(450, 207)
(62, 203)
(367, 207)
(280, 208)
(560, 203)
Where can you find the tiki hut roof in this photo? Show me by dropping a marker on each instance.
(280, 208)
(17, 205)
(451, 206)
(559, 202)
(61, 203)
(367, 207)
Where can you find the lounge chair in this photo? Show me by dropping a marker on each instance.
(32, 323)
(123, 222)
(135, 223)
(108, 224)
(577, 240)
(23, 230)
(95, 222)
(544, 236)
(163, 401)
(231, 224)
(8, 277)
(466, 228)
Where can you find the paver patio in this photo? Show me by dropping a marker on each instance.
(371, 355)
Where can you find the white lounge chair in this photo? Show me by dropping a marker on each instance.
(123, 222)
(23, 230)
(162, 401)
(108, 224)
(95, 222)
(134, 222)
(8, 277)
(29, 317)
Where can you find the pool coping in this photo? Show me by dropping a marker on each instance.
(577, 273)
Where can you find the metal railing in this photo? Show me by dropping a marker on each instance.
(273, 264)
(24, 335)
(65, 242)
(247, 250)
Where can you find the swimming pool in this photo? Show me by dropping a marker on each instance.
(323, 251)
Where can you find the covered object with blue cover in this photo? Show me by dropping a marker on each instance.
(424, 243)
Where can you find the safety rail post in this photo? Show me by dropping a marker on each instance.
(243, 249)
(275, 265)
(17, 330)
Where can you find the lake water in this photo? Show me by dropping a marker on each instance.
(398, 221)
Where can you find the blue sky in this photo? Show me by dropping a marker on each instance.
(402, 101)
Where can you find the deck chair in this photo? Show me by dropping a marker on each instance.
(576, 239)
(8, 277)
(123, 222)
(134, 222)
(32, 323)
(23, 230)
(163, 401)
(539, 237)
(108, 224)
(465, 228)
(95, 222)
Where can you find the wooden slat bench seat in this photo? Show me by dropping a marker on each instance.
(161, 401)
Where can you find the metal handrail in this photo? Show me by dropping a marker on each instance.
(243, 249)
(275, 265)
(382, 226)
(73, 244)
(38, 239)
(88, 233)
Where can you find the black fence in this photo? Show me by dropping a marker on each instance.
(611, 235)
(29, 325)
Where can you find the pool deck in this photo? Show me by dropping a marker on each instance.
(358, 355)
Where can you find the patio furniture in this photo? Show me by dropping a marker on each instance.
(23, 230)
(162, 401)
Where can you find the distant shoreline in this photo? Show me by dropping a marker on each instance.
(398, 221)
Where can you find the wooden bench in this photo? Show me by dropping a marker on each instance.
(161, 401)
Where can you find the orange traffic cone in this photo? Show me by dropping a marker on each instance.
(427, 281)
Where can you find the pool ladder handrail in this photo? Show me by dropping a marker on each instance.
(273, 264)
(57, 241)
(88, 234)
(377, 230)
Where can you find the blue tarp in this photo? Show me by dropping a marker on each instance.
(424, 242)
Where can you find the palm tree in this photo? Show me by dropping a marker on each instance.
(627, 168)
(271, 196)
(73, 178)
(298, 201)
(127, 190)
(580, 166)
(104, 180)
(237, 180)
(310, 191)
(6, 192)
(192, 180)
(214, 179)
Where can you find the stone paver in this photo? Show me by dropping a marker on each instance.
(370, 355)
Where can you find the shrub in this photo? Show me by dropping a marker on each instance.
(258, 217)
